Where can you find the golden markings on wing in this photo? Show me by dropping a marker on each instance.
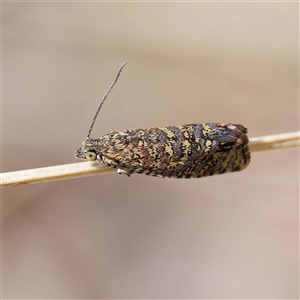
(207, 130)
(187, 147)
(207, 146)
(169, 150)
(169, 133)
(227, 159)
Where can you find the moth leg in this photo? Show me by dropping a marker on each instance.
(121, 172)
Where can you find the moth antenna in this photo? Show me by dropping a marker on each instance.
(104, 98)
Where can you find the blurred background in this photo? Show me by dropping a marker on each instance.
(228, 236)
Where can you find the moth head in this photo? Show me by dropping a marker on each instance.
(88, 151)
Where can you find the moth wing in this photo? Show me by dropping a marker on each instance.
(162, 152)
(179, 151)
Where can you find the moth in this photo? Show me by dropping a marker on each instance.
(184, 151)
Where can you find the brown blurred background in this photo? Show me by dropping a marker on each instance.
(110, 236)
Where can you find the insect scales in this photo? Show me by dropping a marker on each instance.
(185, 151)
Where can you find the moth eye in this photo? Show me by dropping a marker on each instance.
(91, 155)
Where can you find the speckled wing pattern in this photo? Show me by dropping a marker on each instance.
(186, 151)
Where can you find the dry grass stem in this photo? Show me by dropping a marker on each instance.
(83, 169)
(274, 142)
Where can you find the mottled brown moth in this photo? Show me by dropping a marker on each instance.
(185, 151)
